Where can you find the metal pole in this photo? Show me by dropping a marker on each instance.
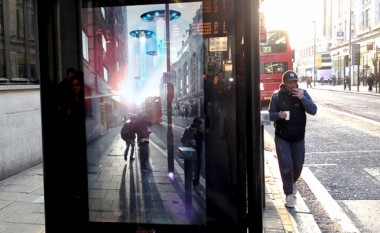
(315, 50)
(349, 50)
(169, 100)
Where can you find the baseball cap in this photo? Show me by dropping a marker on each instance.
(289, 76)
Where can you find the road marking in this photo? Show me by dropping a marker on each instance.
(343, 152)
(373, 171)
(330, 205)
(351, 115)
(320, 164)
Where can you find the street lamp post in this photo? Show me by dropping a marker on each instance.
(167, 15)
(349, 49)
(315, 51)
(169, 99)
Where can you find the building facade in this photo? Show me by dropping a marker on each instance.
(20, 112)
(104, 64)
(348, 32)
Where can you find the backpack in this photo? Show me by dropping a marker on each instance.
(123, 132)
(127, 131)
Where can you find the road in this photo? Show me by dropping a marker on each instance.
(343, 153)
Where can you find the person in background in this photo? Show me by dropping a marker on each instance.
(128, 135)
(65, 90)
(308, 82)
(217, 89)
(143, 132)
(72, 104)
(207, 101)
(370, 82)
(290, 134)
(193, 137)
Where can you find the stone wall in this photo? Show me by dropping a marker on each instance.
(20, 129)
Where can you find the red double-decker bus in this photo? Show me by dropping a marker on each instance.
(276, 57)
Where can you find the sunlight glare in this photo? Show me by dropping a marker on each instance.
(295, 16)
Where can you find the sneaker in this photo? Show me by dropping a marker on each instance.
(289, 201)
(294, 189)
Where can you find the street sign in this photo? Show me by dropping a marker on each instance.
(168, 77)
(355, 53)
(218, 44)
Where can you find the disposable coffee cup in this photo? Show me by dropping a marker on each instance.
(287, 115)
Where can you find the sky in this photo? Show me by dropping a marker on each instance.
(295, 16)
(145, 71)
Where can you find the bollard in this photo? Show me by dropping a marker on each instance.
(189, 154)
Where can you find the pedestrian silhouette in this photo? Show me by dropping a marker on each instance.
(128, 134)
(193, 137)
(143, 132)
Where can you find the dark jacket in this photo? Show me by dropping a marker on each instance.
(142, 129)
(193, 137)
(294, 128)
(128, 132)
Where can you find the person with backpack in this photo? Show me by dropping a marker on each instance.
(128, 134)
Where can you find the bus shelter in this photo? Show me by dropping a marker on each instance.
(200, 60)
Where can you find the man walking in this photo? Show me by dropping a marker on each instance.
(288, 108)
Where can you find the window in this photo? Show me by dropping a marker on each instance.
(85, 46)
(104, 43)
(105, 74)
(18, 60)
(365, 16)
(273, 67)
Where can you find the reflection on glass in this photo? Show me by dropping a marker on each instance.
(154, 68)
(127, 77)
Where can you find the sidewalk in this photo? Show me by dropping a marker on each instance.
(22, 203)
(22, 196)
(354, 89)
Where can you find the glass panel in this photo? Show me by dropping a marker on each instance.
(2, 46)
(1, 18)
(2, 61)
(171, 91)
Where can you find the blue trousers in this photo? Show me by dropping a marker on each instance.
(291, 157)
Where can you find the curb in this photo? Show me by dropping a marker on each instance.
(329, 204)
(298, 219)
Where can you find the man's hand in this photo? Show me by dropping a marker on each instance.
(297, 93)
